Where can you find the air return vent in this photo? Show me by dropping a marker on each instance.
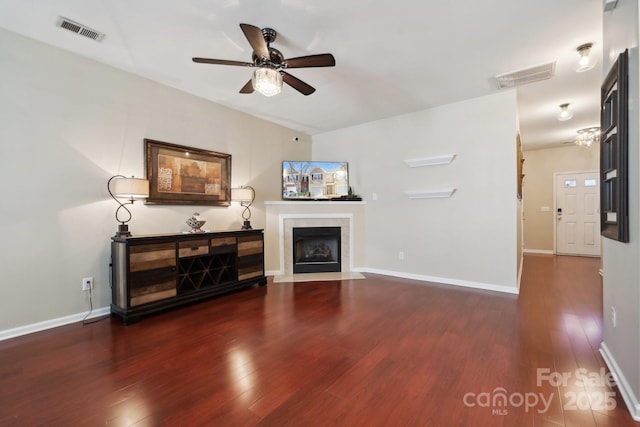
(80, 29)
(528, 75)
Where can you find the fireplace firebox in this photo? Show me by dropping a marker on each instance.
(316, 249)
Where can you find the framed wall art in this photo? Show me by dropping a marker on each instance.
(180, 175)
(614, 190)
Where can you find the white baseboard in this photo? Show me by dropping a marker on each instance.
(53, 323)
(442, 280)
(630, 399)
(538, 251)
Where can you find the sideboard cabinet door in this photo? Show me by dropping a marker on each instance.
(152, 271)
(250, 257)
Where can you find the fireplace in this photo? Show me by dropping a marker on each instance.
(316, 249)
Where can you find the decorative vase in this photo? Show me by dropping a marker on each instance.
(196, 223)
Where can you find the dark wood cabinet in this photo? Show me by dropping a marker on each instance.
(154, 273)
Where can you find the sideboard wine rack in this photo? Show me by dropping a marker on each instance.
(158, 272)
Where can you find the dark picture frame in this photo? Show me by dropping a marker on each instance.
(614, 185)
(181, 175)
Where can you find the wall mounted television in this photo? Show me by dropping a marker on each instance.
(311, 180)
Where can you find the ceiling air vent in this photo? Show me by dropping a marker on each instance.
(528, 75)
(77, 28)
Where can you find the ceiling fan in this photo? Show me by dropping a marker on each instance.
(270, 64)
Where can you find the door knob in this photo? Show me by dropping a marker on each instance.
(559, 214)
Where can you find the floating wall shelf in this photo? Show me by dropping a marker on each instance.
(437, 194)
(430, 161)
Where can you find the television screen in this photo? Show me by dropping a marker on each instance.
(314, 180)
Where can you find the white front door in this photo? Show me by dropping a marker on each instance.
(578, 214)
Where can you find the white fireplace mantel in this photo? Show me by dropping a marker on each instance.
(282, 216)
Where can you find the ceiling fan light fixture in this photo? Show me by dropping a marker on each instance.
(267, 81)
(269, 64)
(586, 62)
(565, 113)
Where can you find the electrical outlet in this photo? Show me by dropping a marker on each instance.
(613, 316)
(87, 283)
(401, 255)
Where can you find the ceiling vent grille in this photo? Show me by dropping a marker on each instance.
(528, 75)
(80, 29)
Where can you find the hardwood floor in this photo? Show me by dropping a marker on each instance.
(376, 352)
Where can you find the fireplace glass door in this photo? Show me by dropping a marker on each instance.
(316, 249)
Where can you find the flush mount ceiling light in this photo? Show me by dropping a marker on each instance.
(565, 113)
(586, 62)
(587, 136)
(267, 81)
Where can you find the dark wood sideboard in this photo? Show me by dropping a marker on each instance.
(157, 272)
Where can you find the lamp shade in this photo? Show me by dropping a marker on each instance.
(243, 194)
(131, 188)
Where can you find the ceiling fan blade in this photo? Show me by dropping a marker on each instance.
(248, 88)
(222, 62)
(321, 60)
(256, 40)
(297, 84)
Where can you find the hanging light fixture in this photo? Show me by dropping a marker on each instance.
(587, 136)
(267, 81)
(585, 63)
(565, 114)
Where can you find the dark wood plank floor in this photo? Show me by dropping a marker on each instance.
(375, 352)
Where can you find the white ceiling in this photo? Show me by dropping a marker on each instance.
(391, 57)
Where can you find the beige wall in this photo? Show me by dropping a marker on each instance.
(67, 124)
(539, 167)
(470, 238)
